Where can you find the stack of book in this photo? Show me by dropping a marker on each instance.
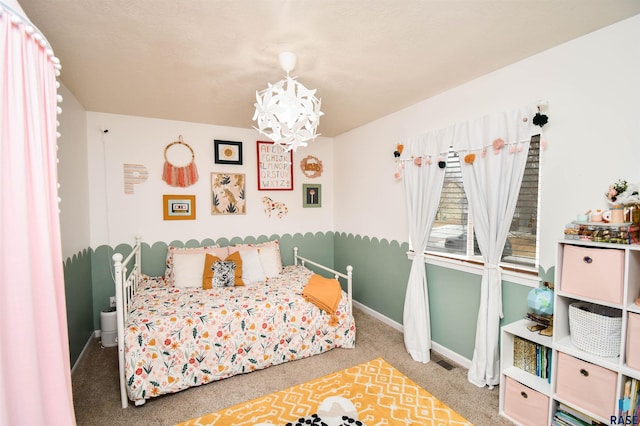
(629, 405)
(532, 357)
(566, 416)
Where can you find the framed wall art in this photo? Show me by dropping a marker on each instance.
(227, 152)
(179, 207)
(228, 193)
(311, 166)
(275, 167)
(311, 195)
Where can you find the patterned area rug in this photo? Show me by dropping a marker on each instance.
(369, 394)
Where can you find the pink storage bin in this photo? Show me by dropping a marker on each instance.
(633, 341)
(524, 405)
(596, 273)
(586, 385)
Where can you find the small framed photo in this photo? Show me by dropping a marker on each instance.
(227, 152)
(179, 207)
(311, 195)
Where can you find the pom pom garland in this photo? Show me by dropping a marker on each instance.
(540, 119)
(469, 158)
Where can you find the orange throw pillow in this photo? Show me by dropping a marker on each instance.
(325, 293)
(207, 274)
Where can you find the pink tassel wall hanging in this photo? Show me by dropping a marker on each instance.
(179, 176)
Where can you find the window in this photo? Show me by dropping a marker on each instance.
(452, 233)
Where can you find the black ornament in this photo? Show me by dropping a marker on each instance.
(442, 164)
(540, 119)
(396, 154)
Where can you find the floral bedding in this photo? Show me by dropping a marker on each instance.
(176, 338)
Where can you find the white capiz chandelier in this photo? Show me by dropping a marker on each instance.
(287, 112)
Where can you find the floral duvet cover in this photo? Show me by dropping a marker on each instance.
(176, 338)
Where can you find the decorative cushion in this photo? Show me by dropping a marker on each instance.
(216, 250)
(252, 271)
(207, 276)
(269, 252)
(270, 260)
(187, 269)
(223, 273)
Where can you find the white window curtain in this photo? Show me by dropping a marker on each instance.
(493, 154)
(422, 179)
(35, 376)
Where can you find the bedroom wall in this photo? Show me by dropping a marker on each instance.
(116, 218)
(73, 174)
(591, 85)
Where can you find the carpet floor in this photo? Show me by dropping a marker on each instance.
(96, 390)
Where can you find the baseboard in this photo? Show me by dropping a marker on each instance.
(453, 356)
(84, 350)
(436, 347)
(377, 315)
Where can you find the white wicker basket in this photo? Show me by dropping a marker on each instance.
(595, 328)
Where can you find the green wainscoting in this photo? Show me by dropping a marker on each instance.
(381, 271)
(79, 301)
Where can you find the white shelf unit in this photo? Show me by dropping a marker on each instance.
(561, 334)
(509, 370)
(561, 341)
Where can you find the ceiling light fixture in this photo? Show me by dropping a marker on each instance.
(287, 112)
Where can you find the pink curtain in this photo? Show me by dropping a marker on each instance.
(35, 376)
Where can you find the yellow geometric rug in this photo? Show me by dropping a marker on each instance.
(377, 394)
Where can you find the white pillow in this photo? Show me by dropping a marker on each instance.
(270, 260)
(221, 252)
(187, 269)
(252, 271)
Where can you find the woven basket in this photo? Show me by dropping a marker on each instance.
(595, 328)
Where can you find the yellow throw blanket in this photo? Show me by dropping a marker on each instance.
(325, 293)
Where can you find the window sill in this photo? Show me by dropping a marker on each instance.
(526, 277)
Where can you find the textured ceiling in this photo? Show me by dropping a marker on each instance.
(202, 60)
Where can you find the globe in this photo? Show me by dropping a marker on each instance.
(540, 300)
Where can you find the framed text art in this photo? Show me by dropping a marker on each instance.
(179, 207)
(275, 171)
(227, 152)
(228, 193)
(311, 195)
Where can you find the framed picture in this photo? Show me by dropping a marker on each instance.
(228, 193)
(227, 152)
(311, 195)
(275, 167)
(179, 207)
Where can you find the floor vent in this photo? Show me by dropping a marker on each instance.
(444, 364)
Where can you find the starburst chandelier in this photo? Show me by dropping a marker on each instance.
(287, 112)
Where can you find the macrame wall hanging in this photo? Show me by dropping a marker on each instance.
(180, 176)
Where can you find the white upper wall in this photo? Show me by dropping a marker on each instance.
(593, 90)
(117, 217)
(72, 175)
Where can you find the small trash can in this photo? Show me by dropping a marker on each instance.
(108, 327)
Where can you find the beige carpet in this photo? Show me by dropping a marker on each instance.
(374, 393)
(96, 391)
